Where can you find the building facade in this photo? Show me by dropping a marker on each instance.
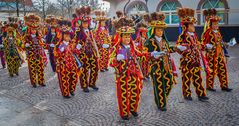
(228, 10)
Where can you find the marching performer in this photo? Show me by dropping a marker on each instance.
(52, 37)
(129, 77)
(11, 44)
(103, 40)
(141, 34)
(189, 47)
(36, 56)
(160, 67)
(66, 66)
(212, 40)
(89, 52)
(2, 36)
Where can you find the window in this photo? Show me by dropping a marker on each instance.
(170, 8)
(136, 7)
(219, 5)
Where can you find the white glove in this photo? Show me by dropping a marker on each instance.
(105, 46)
(136, 44)
(27, 45)
(157, 54)
(120, 57)
(62, 49)
(78, 46)
(182, 48)
(52, 45)
(209, 46)
(1, 45)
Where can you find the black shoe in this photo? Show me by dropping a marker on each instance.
(95, 88)
(43, 85)
(11, 75)
(135, 114)
(163, 109)
(203, 98)
(86, 90)
(102, 70)
(72, 93)
(125, 118)
(34, 85)
(67, 97)
(106, 69)
(17, 74)
(189, 98)
(211, 89)
(227, 89)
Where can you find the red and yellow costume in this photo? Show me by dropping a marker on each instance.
(89, 52)
(66, 66)
(190, 66)
(36, 56)
(128, 73)
(103, 41)
(12, 54)
(212, 40)
(139, 43)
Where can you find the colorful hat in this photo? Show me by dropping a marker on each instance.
(32, 21)
(124, 25)
(77, 17)
(85, 13)
(119, 14)
(186, 15)
(65, 26)
(12, 27)
(100, 15)
(146, 17)
(52, 21)
(157, 20)
(211, 15)
(142, 26)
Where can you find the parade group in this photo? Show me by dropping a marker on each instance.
(78, 51)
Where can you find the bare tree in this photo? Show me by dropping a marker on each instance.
(41, 6)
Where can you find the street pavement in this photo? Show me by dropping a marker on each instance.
(22, 105)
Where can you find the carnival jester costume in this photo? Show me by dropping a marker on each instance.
(103, 40)
(12, 56)
(212, 41)
(129, 77)
(2, 36)
(66, 66)
(189, 47)
(36, 56)
(160, 67)
(52, 37)
(89, 52)
(139, 43)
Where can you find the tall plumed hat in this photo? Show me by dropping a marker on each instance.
(12, 27)
(186, 15)
(65, 26)
(100, 15)
(124, 25)
(157, 20)
(85, 13)
(51, 21)
(211, 15)
(32, 20)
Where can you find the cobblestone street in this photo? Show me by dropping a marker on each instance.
(22, 105)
